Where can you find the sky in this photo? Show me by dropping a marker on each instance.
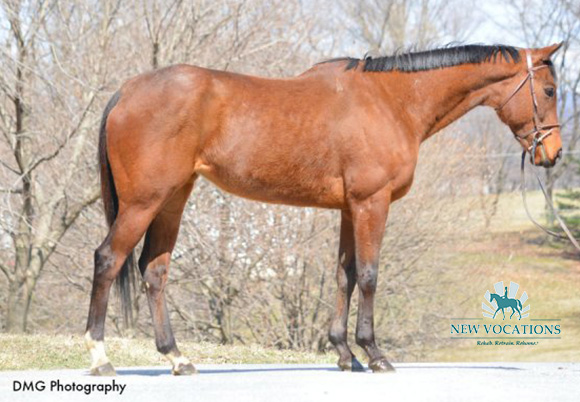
(491, 29)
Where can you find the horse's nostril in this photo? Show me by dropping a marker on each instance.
(559, 154)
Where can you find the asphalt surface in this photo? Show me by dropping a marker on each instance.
(291, 383)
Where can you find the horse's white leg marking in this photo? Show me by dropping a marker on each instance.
(177, 361)
(97, 350)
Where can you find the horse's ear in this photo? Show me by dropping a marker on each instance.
(545, 53)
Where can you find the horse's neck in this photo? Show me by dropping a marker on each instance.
(436, 98)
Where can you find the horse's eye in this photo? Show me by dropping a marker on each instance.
(549, 91)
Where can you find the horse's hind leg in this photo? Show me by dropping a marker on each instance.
(154, 266)
(129, 227)
(519, 312)
(346, 280)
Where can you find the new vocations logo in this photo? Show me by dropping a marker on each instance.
(503, 299)
(508, 305)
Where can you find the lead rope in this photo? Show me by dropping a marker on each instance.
(550, 204)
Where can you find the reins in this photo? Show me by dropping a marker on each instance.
(539, 136)
(569, 235)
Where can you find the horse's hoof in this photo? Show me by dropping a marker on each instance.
(381, 366)
(106, 370)
(184, 369)
(351, 365)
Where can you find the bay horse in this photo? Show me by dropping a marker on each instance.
(343, 135)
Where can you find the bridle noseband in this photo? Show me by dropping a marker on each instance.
(540, 131)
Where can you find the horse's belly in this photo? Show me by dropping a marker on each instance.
(289, 188)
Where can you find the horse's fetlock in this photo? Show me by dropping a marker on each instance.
(166, 346)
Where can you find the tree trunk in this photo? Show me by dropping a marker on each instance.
(19, 298)
(21, 287)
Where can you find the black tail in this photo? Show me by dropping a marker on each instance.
(126, 279)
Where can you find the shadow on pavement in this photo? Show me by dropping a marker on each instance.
(166, 371)
(162, 371)
(146, 372)
(264, 369)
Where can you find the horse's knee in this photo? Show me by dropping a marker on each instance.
(337, 333)
(367, 280)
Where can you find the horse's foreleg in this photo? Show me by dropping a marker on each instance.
(346, 280)
(154, 266)
(369, 218)
(129, 227)
(503, 312)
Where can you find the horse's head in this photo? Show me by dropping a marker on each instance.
(527, 104)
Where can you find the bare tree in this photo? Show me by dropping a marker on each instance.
(45, 130)
(385, 26)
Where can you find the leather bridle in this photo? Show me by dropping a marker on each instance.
(540, 131)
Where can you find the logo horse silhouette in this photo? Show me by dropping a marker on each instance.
(503, 303)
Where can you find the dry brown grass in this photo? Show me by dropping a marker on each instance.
(27, 352)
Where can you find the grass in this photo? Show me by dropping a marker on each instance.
(44, 352)
(514, 250)
(553, 289)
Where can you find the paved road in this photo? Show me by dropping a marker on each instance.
(488, 382)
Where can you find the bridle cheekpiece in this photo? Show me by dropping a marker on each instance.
(540, 131)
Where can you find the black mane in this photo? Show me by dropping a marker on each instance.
(435, 58)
